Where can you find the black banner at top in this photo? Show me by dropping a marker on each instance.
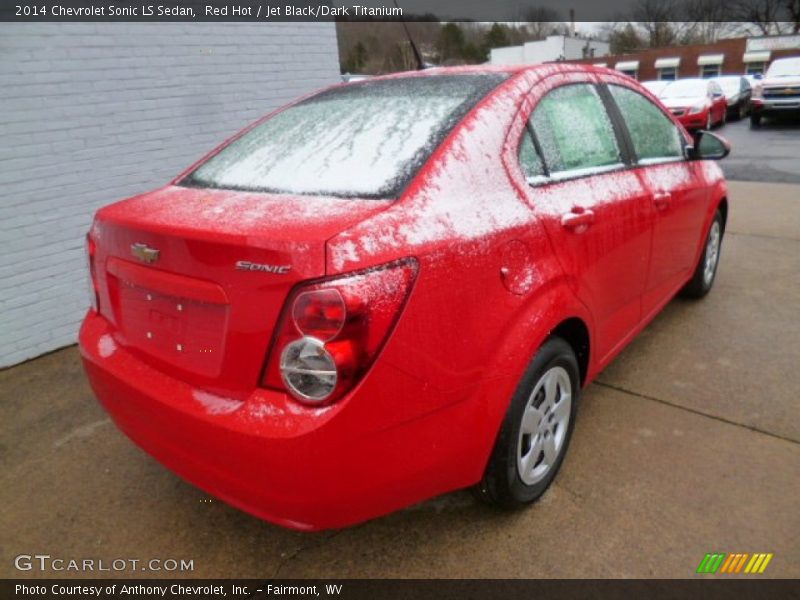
(354, 10)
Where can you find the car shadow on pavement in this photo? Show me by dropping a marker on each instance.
(781, 123)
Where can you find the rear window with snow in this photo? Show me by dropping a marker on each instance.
(364, 140)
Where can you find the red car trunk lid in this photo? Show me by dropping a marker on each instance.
(195, 279)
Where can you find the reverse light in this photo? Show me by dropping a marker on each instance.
(91, 250)
(332, 330)
(308, 370)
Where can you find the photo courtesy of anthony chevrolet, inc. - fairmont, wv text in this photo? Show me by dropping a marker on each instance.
(399, 299)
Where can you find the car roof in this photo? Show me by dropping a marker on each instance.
(508, 69)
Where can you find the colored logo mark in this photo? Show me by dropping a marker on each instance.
(719, 562)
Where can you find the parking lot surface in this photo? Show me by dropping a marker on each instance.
(688, 443)
(770, 153)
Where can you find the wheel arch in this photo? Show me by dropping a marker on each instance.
(722, 206)
(553, 310)
(575, 332)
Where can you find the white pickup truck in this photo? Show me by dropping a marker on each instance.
(778, 92)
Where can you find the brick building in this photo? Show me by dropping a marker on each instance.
(734, 56)
(95, 112)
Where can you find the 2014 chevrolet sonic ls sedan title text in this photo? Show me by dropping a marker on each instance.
(398, 287)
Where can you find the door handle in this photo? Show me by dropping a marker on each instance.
(662, 200)
(577, 221)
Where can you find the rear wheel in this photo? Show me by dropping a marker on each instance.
(536, 431)
(706, 270)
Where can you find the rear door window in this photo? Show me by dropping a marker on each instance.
(575, 132)
(655, 137)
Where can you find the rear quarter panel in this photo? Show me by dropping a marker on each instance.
(465, 336)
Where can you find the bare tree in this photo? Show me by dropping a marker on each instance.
(769, 17)
(707, 21)
(793, 8)
(541, 21)
(623, 37)
(662, 21)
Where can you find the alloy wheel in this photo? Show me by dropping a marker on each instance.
(712, 253)
(545, 422)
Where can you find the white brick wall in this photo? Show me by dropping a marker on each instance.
(93, 113)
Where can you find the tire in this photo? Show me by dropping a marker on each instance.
(755, 120)
(741, 111)
(519, 469)
(706, 270)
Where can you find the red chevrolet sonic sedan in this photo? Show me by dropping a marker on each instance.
(698, 103)
(395, 288)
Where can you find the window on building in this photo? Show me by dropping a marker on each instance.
(667, 67)
(668, 74)
(629, 68)
(756, 62)
(710, 65)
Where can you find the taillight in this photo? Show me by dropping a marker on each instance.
(332, 330)
(91, 249)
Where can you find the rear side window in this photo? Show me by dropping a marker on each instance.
(574, 130)
(654, 136)
(529, 158)
(364, 140)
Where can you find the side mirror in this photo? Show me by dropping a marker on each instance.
(708, 146)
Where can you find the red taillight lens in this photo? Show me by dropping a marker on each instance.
(91, 250)
(332, 330)
(319, 313)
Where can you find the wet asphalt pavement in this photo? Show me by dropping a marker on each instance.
(770, 153)
(688, 443)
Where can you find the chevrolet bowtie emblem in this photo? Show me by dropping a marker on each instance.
(144, 252)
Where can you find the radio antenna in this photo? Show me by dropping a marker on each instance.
(417, 54)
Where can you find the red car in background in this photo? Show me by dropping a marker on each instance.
(398, 287)
(697, 103)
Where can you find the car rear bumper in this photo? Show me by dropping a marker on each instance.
(776, 106)
(302, 468)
